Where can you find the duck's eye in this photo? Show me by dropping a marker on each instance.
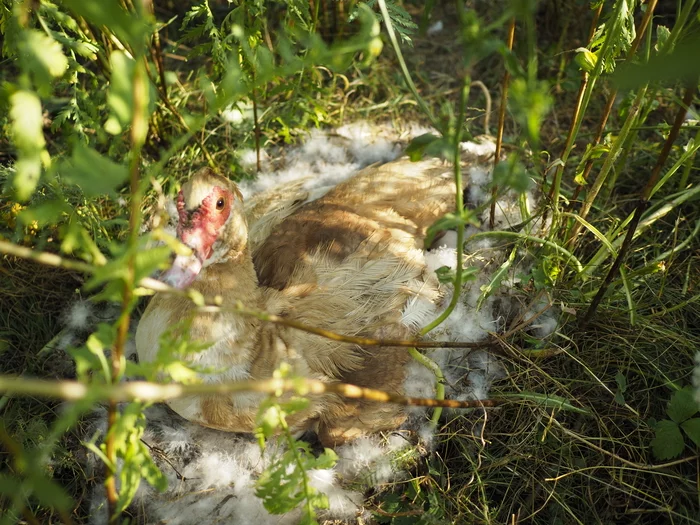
(220, 204)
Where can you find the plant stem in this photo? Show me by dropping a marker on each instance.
(457, 285)
(576, 119)
(643, 202)
(459, 210)
(402, 63)
(651, 5)
(439, 380)
(501, 121)
(607, 166)
(291, 443)
(139, 131)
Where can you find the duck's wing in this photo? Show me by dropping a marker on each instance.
(390, 205)
(266, 210)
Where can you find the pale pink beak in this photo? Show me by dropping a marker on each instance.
(183, 272)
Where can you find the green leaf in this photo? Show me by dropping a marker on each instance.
(9, 485)
(150, 260)
(668, 68)
(668, 441)
(692, 428)
(43, 57)
(446, 275)
(430, 145)
(511, 173)
(269, 420)
(621, 381)
(128, 26)
(137, 462)
(128, 79)
(448, 221)
(47, 212)
(586, 59)
(416, 148)
(591, 153)
(28, 136)
(95, 174)
(619, 398)
(682, 405)
(530, 102)
(662, 34)
(121, 92)
(495, 282)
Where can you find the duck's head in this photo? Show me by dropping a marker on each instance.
(211, 222)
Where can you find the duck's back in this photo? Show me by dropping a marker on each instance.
(383, 209)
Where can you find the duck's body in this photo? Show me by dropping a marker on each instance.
(348, 262)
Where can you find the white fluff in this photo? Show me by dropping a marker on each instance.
(80, 315)
(480, 149)
(435, 28)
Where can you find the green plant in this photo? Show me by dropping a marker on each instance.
(284, 485)
(669, 441)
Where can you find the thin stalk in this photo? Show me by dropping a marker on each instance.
(439, 380)
(576, 119)
(487, 97)
(139, 130)
(459, 210)
(291, 443)
(501, 120)
(612, 156)
(402, 63)
(424, 360)
(651, 5)
(643, 202)
(457, 284)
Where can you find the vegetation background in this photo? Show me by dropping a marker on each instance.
(107, 105)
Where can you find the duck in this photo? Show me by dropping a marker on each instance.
(349, 261)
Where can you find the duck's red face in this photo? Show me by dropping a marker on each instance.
(203, 210)
(200, 227)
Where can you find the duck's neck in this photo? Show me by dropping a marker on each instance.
(234, 336)
(234, 279)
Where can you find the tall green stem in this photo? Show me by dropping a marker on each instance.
(402, 63)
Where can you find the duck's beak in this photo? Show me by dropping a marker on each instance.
(184, 271)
